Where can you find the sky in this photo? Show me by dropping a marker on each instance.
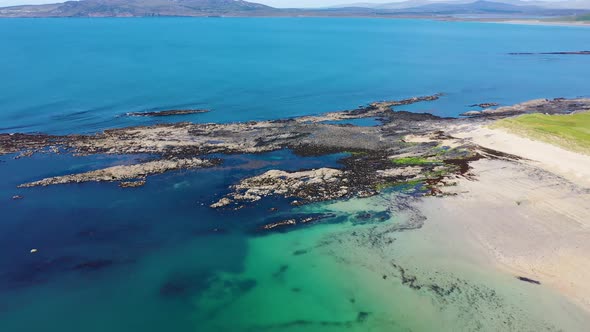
(274, 3)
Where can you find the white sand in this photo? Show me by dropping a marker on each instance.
(545, 23)
(531, 218)
(570, 165)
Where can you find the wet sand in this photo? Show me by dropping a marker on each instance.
(524, 220)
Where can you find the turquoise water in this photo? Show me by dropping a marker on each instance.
(157, 258)
(78, 75)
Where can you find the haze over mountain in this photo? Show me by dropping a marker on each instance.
(414, 8)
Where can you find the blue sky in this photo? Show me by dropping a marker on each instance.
(275, 3)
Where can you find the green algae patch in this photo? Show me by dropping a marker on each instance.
(569, 131)
(401, 186)
(412, 161)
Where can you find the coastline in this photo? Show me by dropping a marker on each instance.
(539, 22)
(456, 227)
(531, 21)
(570, 165)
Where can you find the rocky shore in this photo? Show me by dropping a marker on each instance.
(136, 172)
(406, 148)
(547, 106)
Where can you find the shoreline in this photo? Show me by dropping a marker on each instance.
(531, 21)
(540, 23)
(485, 233)
(528, 217)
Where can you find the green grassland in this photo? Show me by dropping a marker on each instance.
(583, 17)
(570, 131)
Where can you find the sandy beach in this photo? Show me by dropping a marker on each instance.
(539, 22)
(572, 166)
(530, 218)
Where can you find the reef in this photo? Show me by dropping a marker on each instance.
(167, 113)
(296, 220)
(125, 172)
(552, 53)
(485, 105)
(405, 149)
(547, 106)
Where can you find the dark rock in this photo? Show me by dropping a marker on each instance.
(484, 105)
(167, 113)
(531, 281)
(93, 265)
(362, 316)
(132, 184)
(553, 53)
(282, 223)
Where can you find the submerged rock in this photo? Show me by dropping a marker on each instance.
(93, 265)
(132, 184)
(553, 53)
(484, 105)
(282, 223)
(167, 113)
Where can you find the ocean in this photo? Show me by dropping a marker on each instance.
(157, 258)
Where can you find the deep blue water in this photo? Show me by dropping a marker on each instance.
(104, 251)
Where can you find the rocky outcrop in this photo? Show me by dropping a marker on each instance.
(484, 105)
(405, 148)
(125, 172)
(553, 53)
(548, 106)
(306, 186)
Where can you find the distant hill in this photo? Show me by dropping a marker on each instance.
(477, 7)
(130, 8)
(411, 8)
(566, 4)
(499, 8)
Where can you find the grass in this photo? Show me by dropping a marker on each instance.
(411, 161)
(575, 18)
(571, 131)
(583, 18)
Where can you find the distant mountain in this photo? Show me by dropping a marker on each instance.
(583, 18)
(130, 8)
(507, 8)
(412, 8)
(477, 7)
(567, 4)
(488, 7)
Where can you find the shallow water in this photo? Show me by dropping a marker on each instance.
(158, 258)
